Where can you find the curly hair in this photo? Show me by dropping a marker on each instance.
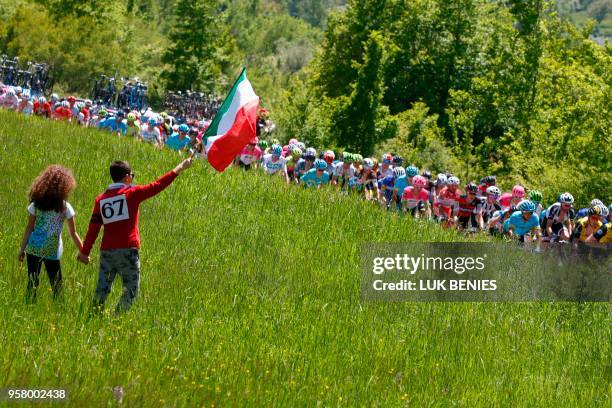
(51, 188)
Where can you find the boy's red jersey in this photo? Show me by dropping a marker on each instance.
(117, 209)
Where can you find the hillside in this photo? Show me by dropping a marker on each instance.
(250, 296)
(582, 11)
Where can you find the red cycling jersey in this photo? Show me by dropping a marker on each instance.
(63, 113)
(467, 208)
(117, 210)
(448, 201)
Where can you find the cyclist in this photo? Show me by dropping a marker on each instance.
(387, 189)
(490, 203)
(415, 198)
(305, 163)
(604, 234)
(401, 183)
(132, 127)
(292, 155)
(73, 108)
(559, 224)
(470, 209)
(10, 100)
(316, 176)
(448, 202)
(101, 116)
(369, 180)
(535, 196)
(63, 112)
(263, 145)
(343, 171)
(329, 156)
(150, 133)
(524, 224)
(274, 163)
(114, 124)
(42, 107)
(583, 212)
(179, 141)
(486, 182)
(26, 106)
(355, 179)
(518, 194)
(439, 184)
(250, 155)
(588, 225)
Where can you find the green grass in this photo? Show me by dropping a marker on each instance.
(250, 295)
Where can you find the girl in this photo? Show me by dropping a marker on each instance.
(42, 240)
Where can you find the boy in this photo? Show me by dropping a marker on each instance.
(117, 210)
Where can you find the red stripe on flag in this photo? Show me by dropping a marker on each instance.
(227, 147)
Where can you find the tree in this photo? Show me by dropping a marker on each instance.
(196, 53)
(361, 120)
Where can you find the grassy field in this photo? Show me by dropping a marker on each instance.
(250, 295)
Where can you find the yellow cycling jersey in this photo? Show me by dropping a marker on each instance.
(602, 235)
(580, 231)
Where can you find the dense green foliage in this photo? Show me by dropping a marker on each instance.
(516, 90)
(250, 295)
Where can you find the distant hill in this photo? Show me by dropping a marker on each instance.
(581, 11)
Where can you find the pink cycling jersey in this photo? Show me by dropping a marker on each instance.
(411, 200)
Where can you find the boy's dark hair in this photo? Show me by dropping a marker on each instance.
(119, 169)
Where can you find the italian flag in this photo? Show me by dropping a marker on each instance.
(234, 124)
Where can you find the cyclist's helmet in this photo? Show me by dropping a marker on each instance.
(535, 196)
(102, 112)
(277, 150)
(494, 191)
(293, 141)
(193, 131)
(152, 121)
(441, 179)
(164, 115)
(26, 94)
(566, 198)
(42, 100)
(320, 164)
(472, 188)
(88, 102)
(518, 191)
(426, 174)
(65, 104)
(301, 145)
(71, 99)
(412, 171)
(526, 206)
(263, 144)
(368, 163)
(386, 158)
(599, 210)
(18, 89)
(183, 128)
(399, 171)
(54, 97)
(398, 160)
(311, 152)
(296, 153)
(120, 114)
(10, 92)
(596, 201)
(329, 156)
(489, 180)
(275, 142)
(80, 106)
(420, 181)
(131, 117)
(453, 181)
(357, 158)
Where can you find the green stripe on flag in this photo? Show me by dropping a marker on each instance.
(214, 126)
